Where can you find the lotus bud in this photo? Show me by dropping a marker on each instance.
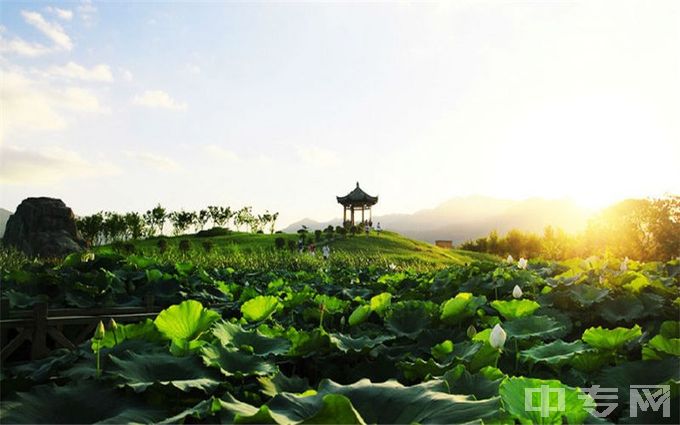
(342, 321)
(100, 331)
(86, 257)
(497, 337)
(471, 331)
(517, 292)
(113, 325)
(522, 263)
(510, 260)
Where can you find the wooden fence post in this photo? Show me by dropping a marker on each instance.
(39, 338)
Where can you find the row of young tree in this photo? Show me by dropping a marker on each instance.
(641, 229)
(108, 226)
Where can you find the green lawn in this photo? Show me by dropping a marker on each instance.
(387, 244)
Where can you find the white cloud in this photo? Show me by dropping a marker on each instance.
(47, 165)
(22, 47)
(52, 30)
(64, 14)
(156, 161)
(218, 152)
(193, 69)
(33, 105)
(72, 70)
(318, 156)
(126, 74)
(87, 12)
(158, 99)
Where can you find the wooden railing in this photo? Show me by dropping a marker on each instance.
(37, 325)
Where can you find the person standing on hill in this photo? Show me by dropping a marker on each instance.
(367, 228)
(378, 228)
(326, 251)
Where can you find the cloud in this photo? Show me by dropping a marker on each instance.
(156, 161)
(125, 74)
(72, 70)
(29, 104)
(218, 152)
(47, 165)
(158, 99)
(52, 30)
(64, 14)
(193, 69)
(22, 47)
(316, 156)
(87, 12)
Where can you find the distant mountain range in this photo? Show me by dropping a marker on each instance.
(466, 218)
(4, 216)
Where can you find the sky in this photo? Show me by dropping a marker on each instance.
(283, 106)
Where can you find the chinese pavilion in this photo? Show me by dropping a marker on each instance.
(357, 200)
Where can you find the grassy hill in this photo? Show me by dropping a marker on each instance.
(388, 244)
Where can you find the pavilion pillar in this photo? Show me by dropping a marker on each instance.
(370, 215)
(362, 215)
(344, 215)
(352, 207)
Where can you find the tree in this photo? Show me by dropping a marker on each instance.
(201, 219)
(244, 216)
(220, 215)
(155, 220)
(134, 225)
(181, 220)
(114, 226)
(91, 227)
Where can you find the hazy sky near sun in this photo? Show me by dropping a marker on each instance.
(119, 106)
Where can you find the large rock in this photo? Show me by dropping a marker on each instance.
(43, 227)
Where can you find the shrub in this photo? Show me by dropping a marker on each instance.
(184, 246)
(162, 245)
(215, 231)
(292, 245)
(207, 246)
(317, 235)
(280, 243)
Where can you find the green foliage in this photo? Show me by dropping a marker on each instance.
(183, 324)
(610, 339)
(260, 308)
(514, 309)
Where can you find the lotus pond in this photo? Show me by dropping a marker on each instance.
(366, 343)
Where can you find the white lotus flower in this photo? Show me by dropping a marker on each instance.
(510, 260)
(517, 292)
(624, 265)
(392, 266)
(522, 263)
(602, 280)
(497, 337)
(86, 257)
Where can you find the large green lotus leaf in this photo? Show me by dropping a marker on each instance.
(665, 345)
(641, 372)
(260, 308)
(514, 309)
(236, 363)
(234, 337)
(359, 315)
(145, 330)
(381, 302)
(587, 295)
(610, 339)
(331, 305)
(670, 329)
(408, 318)
(307, 344)
(79, 402)
(391, 402)
(460, 307)
(280, 383)
(228, 410)
(347, 343)
(40, 370)
(590, 361)
(555, 353)
(512, 392)
(622, 309)
(185, 322)
(419, 369)
(543, 327)
(203, 410)
(480, 385)
(140, 371)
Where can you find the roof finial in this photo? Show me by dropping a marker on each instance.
(357, 185)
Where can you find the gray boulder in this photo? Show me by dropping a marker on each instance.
(43, 227)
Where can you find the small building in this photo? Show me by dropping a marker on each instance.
(357, 200)
(444, 244)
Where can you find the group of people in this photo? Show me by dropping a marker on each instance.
(326, 249)
(311, 248)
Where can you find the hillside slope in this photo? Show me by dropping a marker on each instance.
(388, 244)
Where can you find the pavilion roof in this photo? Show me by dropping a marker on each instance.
(357, 197)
